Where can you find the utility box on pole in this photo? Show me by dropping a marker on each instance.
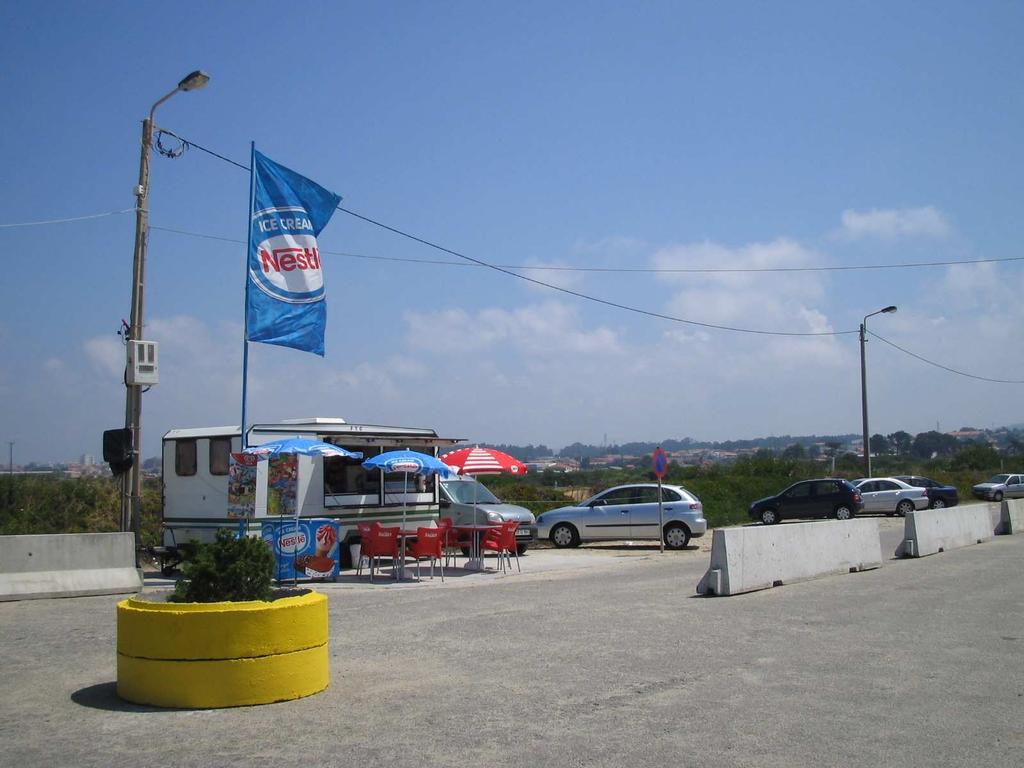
(143, 370)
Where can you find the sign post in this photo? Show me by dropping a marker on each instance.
(659, 462)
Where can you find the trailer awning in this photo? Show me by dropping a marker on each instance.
(357, 434)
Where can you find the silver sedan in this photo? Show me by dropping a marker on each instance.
(890, 496)
(627, 512)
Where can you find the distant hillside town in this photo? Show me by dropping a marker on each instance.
(924, 445)
(685, 451)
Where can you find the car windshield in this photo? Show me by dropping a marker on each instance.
(999, 479)
(469, 491)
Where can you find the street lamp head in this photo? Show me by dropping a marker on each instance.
(890, 308)
(194, 81)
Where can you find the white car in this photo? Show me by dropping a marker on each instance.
(890, 496)
(627, 512)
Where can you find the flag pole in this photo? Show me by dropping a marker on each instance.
(245, 326)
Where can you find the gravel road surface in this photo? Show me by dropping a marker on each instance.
(601, 656)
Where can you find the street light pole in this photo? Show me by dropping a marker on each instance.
(864, 388)
(131, 507)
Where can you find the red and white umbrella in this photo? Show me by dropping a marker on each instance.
(483, 461)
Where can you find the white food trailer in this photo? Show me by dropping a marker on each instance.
(196, 463)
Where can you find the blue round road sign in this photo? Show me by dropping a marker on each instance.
(660, 462)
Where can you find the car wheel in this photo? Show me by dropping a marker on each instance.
(769, 516)
(904, 507)
(677, 536)
(521, 549)
(843, 512)
(937, 504)
(564, 535)
(997, 496)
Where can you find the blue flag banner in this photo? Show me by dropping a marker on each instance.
(284, 301)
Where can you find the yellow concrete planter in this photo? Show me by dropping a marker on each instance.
(204, 655)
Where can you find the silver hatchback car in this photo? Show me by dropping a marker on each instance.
(627, 512)
(1010, 486)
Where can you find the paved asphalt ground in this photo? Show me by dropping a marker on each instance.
(601, 656)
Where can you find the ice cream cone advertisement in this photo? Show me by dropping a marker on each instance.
(326, 539)
(307, 548)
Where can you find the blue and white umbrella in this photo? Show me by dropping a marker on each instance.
(408, 463)
(300, 445)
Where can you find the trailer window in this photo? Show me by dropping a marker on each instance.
(184, 458)
(220, 455)
(343, 477)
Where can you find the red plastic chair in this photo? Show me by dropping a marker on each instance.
(429, 543)
(502, 540)
(382, 542)
(452, 544)
(364, 533)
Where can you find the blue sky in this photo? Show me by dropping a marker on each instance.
(671, 135)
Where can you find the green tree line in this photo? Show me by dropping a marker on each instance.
(38, 504)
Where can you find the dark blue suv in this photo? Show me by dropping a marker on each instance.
(827, 497)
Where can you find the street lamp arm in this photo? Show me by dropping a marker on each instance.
(160, 101)
(886, 310)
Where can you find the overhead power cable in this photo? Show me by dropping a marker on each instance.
(944, 367)
(65, 221)
(585, 296)
(510, 273)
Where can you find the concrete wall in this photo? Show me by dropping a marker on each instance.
(760, 556)
(66, 565)
(1011, 516)
(929, 531)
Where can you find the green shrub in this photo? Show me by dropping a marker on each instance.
(229, 569)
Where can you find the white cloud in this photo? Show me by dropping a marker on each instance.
(550, 328)
(785, 303)
(106, 354)
(894, 223)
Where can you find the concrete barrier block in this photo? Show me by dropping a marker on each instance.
(929, 531)
(757, 557)
(1011, 517)
(68, 565)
